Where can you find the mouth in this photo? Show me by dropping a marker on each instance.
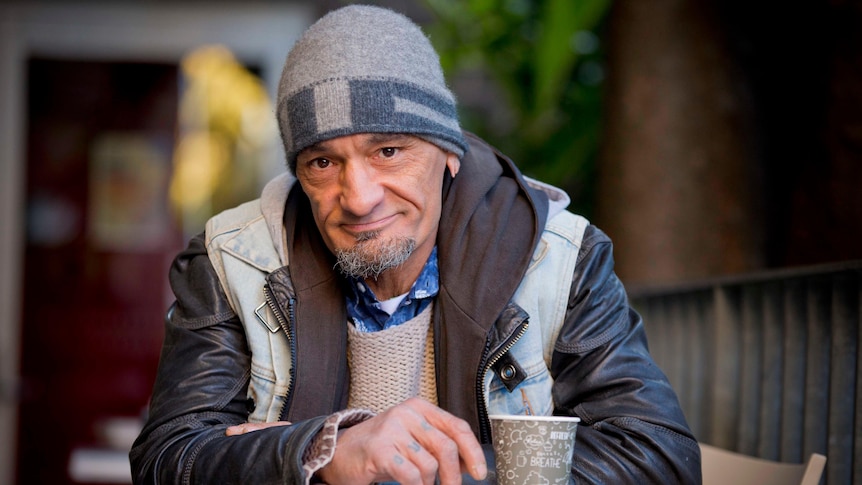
(366, 230)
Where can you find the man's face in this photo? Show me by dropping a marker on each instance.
(376, 198)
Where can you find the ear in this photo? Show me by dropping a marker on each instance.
(454, 163)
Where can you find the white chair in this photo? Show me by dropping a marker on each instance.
(722, 467)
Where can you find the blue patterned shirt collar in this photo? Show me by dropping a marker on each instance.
(364, 309)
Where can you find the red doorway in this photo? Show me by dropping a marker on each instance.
(100, 236)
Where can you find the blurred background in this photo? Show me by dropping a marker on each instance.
(709, 139)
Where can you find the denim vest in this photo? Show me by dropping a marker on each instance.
(241, 247)
(544, 295)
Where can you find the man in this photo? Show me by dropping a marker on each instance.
(358, 323)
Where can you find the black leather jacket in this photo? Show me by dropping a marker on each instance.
(632, 428)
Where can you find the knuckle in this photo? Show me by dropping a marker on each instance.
(462, 426)
(393, 416)
(426, 463)
(450, 449)
(427, 468)
(446, 449)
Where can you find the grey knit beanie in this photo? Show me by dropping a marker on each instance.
(364, 69)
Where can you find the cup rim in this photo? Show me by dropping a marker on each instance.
(523, 417)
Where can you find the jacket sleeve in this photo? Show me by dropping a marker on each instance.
(632, 427)
(200, 390)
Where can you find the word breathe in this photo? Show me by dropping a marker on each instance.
(540, 461)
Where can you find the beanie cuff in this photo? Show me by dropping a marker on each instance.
(342, 106)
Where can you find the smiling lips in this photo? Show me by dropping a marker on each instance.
(374, 226)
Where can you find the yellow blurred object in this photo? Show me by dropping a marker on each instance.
(226, 125)
(200, 161)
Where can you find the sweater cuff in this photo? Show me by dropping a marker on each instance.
(322, 447)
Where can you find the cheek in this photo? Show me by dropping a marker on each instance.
(421, 196)
(321, 208)
(319, 200)
(429, 202)
(328, 232)
(431, 214)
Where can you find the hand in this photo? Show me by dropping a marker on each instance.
(412, 443)
(249, 427)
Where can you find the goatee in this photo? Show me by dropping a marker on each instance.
(372, 255)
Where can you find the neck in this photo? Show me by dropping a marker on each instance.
(399, 280)
(393, 282)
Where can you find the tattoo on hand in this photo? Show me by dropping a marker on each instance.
(398, 459)
(415, 447)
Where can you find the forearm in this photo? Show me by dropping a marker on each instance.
(199, 451)
(627, 451)
(632, 428)
(273, 455)
(201, 389)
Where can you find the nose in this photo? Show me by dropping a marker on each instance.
(361, 190)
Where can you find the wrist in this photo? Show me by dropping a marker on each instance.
(319, 454)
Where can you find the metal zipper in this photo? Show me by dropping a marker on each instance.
(284, 323)
(484, 423)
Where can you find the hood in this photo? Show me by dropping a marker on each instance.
(491, 222)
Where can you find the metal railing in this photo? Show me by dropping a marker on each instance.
(769, 364)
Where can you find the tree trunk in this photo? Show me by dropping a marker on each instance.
(678, 175)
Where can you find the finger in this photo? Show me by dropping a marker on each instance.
(405, 448)
(249, 427)
(453, 459)
(399, 457)
(443, 449)
(466, 445)
(422, 460)
(397, 467)
(449, 439)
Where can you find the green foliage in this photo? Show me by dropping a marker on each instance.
(544, 60)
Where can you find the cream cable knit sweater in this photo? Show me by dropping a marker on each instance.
(392, 365)
(386, 368)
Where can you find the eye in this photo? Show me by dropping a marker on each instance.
(319, 163)
(388, 152)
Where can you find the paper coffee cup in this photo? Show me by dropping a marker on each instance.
(532, 450)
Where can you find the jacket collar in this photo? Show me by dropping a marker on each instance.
(272, 202)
